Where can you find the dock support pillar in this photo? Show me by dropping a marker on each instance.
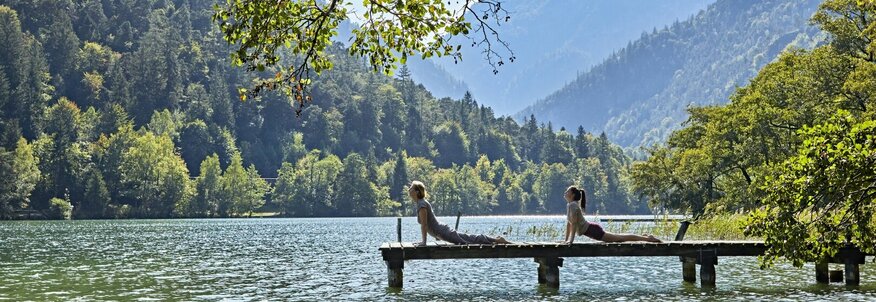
(549, 271)
(821, 272)
(708, 260)
(852, 258)
(853, 273)
(395, 276)
(688, 264)
(689, 269)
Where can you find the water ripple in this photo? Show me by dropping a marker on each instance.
(337, 259)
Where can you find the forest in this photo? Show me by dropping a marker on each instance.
(794, 150)
(130, 109)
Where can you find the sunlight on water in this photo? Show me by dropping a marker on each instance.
(337, 259)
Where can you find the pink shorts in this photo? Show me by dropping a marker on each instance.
(594, 231)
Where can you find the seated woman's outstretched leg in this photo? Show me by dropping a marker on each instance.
(612, 237)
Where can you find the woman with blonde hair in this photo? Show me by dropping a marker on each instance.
(429, 223)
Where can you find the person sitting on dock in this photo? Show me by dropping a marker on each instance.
(429, 223)
(576, 200)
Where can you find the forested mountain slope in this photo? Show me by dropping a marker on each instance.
(639, 94)
(130, 109)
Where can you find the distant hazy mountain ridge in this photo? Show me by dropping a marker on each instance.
(640, 93)
(553, 41)
(436, 79)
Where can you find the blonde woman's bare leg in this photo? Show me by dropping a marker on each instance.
(612, 237)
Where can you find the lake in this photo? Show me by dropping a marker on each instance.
(337, 259)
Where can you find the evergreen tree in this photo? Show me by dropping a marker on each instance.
(33, 91)
(155, 69)
(195, 144)
(452, 145)
(357, 196)
(582, 143)
(62, 49)
(398, 185)
(96, 198)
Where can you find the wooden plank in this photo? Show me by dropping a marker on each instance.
(528, 249)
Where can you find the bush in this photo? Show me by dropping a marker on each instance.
(60, 209)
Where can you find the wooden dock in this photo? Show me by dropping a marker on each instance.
(550, 255)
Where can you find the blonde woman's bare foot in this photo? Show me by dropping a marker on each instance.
(501, 240)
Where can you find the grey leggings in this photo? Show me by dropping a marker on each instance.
(461, 238)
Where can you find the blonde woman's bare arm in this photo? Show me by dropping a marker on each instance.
(423, 217)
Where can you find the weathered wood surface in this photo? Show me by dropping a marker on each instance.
(442, 250)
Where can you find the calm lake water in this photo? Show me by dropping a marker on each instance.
(337, 259)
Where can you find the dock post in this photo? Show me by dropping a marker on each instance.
(549, 271)
(398, 229)
(853, 273)
(682, 229)
(395, 276)
(689, 269)
(688, 264)
(852, 257)
(708, 260)
(821, 273)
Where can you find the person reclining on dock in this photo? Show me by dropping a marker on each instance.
(576, 200)
(429, 223)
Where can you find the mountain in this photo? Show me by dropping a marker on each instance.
(437, 79)
(554, 41)
(640, 93)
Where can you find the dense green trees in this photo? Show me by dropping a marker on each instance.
(154, 179)
(131, 110)
(311, 187)
(24, 80)
(824, 196)
(208, 189)
(795, 146)
(18, 177)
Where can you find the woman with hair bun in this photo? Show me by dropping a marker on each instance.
(576, 200)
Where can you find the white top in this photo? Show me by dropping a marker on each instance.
(573, 212)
